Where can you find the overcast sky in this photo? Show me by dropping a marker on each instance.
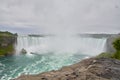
(60, 16)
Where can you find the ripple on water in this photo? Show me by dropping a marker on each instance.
(13, 67)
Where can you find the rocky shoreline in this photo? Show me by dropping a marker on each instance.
(88, 69)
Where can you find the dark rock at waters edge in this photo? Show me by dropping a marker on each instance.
(23, 51)
(88, 69)
(7, 42)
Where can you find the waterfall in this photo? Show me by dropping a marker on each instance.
(48, 53)
(82, 45)
(26, 42)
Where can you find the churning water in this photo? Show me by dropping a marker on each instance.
(48, 53)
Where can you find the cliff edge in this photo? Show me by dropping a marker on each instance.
(7, 42)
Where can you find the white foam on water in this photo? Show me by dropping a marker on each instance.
(1, 64)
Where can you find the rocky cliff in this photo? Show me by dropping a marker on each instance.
(89, 69)
(109, 46)
(7, 42)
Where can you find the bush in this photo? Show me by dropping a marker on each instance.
(116, 45)
(116, 55)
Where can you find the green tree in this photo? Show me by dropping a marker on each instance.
(116, 45)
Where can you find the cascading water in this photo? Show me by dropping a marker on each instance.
(28, 43)
(40, 45)
(49, 53)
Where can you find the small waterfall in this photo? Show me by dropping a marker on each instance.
(40, 45)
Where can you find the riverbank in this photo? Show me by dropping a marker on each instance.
(88, 69)
(7, 42)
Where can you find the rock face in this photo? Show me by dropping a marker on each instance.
(109, 47)
(89, 69)
(7, 42)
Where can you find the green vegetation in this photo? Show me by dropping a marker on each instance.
(6, 33)
(116, 55)
(116, 45)
(5, 50)
(105, 55)
(7, 41)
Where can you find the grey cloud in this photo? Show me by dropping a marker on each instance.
(56, 16)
